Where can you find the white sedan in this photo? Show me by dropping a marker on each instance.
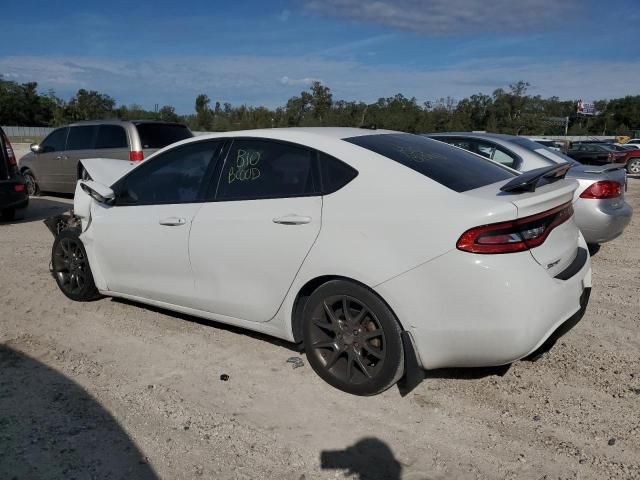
(381, 251)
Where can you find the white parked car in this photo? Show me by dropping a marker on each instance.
(380, 251)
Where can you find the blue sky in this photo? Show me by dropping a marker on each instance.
(263, 52)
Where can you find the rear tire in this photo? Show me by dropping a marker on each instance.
(633, 167)
(70, 267)
(352, 338)
(32, 186)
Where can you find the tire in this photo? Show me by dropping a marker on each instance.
(633, 167)
(32, 186)
(8, 214)
(360, 353)
(70, 267)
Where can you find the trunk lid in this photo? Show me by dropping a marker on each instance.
(560, 247)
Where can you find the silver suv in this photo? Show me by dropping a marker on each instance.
(53, 165)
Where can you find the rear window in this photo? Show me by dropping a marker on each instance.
(3, 159)
(159, 135)
(535, 146)
(452, 167)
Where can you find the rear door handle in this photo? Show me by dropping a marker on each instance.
(62, 157)
(173, 221)
(292, 219)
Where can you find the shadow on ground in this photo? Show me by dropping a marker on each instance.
(40, 209)
(369, 459)
(51, 428)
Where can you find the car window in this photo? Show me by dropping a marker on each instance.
(111, 136)
(265, 169)
(159, 135)
(56, 141)
(335, 174)
(452, 167)
(175, 176)
(82, 138)
(485, 149)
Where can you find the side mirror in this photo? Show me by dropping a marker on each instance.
(98, 192)
(35, 148)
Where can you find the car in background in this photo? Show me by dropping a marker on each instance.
(595, 153)
(633, 141)
(381, 252)
(54, 164)
(547, 143)
(630, 158)
(601, 210)
(13, 188)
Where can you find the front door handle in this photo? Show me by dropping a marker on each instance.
(173, 221)
(62, 157)
(292, 219)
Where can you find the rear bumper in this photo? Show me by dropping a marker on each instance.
(466, 310)
(9, 198)
(599, 221)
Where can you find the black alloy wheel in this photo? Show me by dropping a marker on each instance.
(352, 339)
(70, 267)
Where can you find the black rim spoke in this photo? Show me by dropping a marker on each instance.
(347, 339)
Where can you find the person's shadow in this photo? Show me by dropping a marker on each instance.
(369, 459)
(51, 428)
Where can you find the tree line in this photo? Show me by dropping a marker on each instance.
(506, 110)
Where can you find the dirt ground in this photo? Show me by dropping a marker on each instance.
(117, 390)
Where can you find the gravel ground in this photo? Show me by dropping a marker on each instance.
(117, 390)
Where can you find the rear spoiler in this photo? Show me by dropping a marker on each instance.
(529, 181)
(606, 168)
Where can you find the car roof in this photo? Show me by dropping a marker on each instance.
(121, 122)
(334, 133)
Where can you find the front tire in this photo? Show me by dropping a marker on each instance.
(70, 267)
(352, 338)
(32, 186)
(633, 167)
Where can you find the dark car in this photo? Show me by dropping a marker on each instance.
(595, 153)
(13, 189)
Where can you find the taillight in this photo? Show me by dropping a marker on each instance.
(18, 188)
(515, 236)
(602, 190)
(10, 155)
(136, 156)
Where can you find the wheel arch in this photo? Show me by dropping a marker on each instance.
(309, 287)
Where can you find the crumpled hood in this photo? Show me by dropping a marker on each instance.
(107, 171)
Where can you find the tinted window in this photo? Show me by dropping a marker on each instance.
(159, 135)
(173, 177)
(549, 154)
(335, 174)
(82, 138)
(265, 169)
(451, 167)
(111, 136)
(56, 141)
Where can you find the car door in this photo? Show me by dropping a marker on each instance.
(46, 165)
(141, 242)
(248, 244)
(80, 144)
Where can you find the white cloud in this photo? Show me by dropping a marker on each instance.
(442, 17)
(260, 80)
